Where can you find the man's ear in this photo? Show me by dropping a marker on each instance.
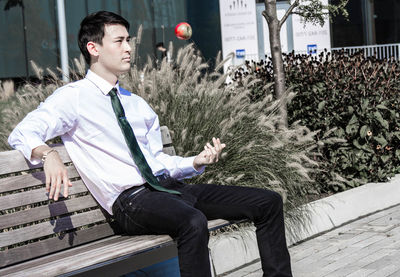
(92, 49)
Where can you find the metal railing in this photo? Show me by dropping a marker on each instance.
(381, 51)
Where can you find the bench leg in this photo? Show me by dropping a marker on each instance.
(212, 267)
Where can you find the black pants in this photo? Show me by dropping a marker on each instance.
(184, 217)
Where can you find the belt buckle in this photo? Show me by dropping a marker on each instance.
(163, 177)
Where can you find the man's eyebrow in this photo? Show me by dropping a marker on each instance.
(122, 37)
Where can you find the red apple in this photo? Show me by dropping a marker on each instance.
(183, 31)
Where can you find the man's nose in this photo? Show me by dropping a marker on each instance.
(128, 47)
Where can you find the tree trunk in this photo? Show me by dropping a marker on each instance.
(271, 16)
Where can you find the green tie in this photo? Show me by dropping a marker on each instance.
(133, 145)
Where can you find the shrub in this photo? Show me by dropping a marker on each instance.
(356, 95)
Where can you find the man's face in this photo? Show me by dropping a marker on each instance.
(115, 53)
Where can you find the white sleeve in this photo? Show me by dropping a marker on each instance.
(178, 167)
(55, 117)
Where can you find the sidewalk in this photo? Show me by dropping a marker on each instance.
(366, 247)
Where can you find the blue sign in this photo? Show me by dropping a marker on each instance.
(240, 53)
(312, 49)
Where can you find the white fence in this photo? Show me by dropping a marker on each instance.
(382, 51)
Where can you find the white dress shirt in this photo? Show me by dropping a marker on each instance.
(81, 113)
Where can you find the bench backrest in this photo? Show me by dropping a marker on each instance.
(31, 225)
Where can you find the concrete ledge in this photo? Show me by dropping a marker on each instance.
(233, 250)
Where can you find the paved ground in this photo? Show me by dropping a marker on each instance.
(366, 247)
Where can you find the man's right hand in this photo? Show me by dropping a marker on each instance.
(55, 171)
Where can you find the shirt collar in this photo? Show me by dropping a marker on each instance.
(100, 83)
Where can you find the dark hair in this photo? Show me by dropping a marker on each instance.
(92, 29)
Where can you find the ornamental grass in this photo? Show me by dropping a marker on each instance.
(197, 104)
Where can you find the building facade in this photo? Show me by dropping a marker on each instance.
(29, 28)
(370, 22)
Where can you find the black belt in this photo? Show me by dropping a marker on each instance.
(136, 189)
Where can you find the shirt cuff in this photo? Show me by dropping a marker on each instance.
(187, 168)
(27, 148)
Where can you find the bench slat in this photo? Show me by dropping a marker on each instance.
(170, 150)
(51, 245)
(87, 255)
(50, 227)
(13, 161)
(29, 180)
(35, 196)
(165, 135)
(46, 211)
(97, 252)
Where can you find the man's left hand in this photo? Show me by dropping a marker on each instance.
(210, 154)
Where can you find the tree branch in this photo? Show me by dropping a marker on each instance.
(266, 16)
(288, 12)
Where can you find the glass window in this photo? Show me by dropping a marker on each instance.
(348, 32)
(75, 12)
(41, 36)
(205, 20)
(167, 14)
(141, 12)
(387, 21)
(103, 5)
(12, 47)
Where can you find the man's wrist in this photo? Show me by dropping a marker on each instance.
(46, 154)
(197, 166)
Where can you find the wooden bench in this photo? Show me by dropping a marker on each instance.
(73, 236)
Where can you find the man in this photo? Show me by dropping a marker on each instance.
(113, 138)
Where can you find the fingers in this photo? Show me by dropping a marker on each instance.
(209, 153)
(66, 184)
(218, 145)
(213, 152)
(55, 182)
(58, 187)
(47, 183)
(56, 176)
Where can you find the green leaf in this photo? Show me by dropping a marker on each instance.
(363, 131)
(364, 104)
(385, 158)
(357, 144)
(321, 105)
(378, 116)
(350, 109)
(352, 126)
(339, 132)
(397, 134)
(398, 153)
(382, 107)
(382, 142)
(353, 120)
